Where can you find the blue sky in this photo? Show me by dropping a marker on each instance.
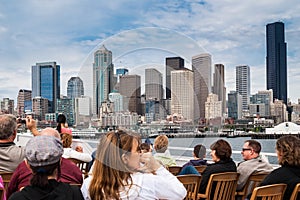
(141, 34)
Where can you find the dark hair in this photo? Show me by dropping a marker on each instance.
(145, 146)
(41, 173)
(200, 151)
(222, 148)
(255, 145)
(289, 148)
(61, 119)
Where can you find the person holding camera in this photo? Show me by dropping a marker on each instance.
(12, 155)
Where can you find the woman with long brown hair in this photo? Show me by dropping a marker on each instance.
(118, 173)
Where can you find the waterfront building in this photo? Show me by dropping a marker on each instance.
(130, 87)
(260, 103)
(234, 105)
(7, 106)
(279, 111)
(120, 102)
(66, 106)
(213, 107)
(219, 85)
(46, 83)
(126, 120)
(172, 63)
(103, 70)
(40, 107)
(182, 85)
(276, 60)
(23, 102)
(83, 111)
(153, 84)
(202, 68)
(75, 87)
(243, 84)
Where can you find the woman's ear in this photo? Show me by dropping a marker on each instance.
(125, 159)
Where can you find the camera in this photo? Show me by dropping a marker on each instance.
(21, 121)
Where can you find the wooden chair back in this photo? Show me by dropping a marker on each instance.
(174, 169)
(1, 193)
(191, 182)
(269, 192)
(221, 186)
(253, 181)
(296, 192)
(83, 166)
(6, 176)
(200, 168)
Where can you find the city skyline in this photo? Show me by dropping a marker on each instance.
(216, 27)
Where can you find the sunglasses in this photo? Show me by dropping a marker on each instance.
(246, 149)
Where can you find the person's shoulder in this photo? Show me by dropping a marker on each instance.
(17, 196)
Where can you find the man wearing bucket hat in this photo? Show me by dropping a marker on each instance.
(43, 156)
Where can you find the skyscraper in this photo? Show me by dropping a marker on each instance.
(182, 87)
(103, 70)
(201, 66)
(242, 79)
(24, 99)
(130, 86)
(172, 63)
(219, 85)
(75, 87)
(276, 61)
(153, 84)
(46, 83)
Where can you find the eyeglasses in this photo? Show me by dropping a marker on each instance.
(246, 149)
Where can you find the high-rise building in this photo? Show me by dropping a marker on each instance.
(182, 102)
(120, 103)
(201, 66)
(130, 86)
(276, 61)
(7, 106)
(234, 105)
(103, 71)
(75, 88)
(153, 84)
(219, 85)
(83, 111)
(23, 100)
(46, 83)
(40, 107)
(243, 84)
(172, 63)
(213, 107)
(66, 106)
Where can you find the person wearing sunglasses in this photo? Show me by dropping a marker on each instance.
(252, 163)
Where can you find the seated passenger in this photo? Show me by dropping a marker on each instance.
(71, 153)
(43, 155)
(162, 153)
(118, 173)
(252, 163)
(288, 153)
(70, 173)
(145, 148)
(62, 126)
(221, 155)
(199, 154)
(12, 155)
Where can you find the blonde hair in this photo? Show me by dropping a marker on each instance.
(161, 144)
(289, 147)
(110, 174)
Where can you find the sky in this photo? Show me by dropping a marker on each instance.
(141, 34)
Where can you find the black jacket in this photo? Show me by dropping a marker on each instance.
(54, 191)
(218, 167)
(285, 174)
